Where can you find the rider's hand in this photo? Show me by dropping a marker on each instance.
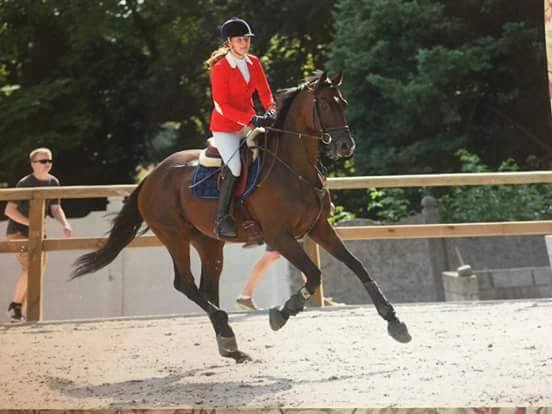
(261, 120)
(271, 113)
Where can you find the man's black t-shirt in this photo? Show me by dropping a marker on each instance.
(24, 205)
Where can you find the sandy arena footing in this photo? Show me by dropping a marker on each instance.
(491, 354)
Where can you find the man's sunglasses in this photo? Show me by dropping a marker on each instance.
(43, 161)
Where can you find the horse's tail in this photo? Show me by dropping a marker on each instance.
(124, 229)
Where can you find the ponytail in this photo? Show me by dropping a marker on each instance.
(217, 55)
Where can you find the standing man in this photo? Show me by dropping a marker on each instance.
(18, 223)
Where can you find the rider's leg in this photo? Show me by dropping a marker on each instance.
(228, 145)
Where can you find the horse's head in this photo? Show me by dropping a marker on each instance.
(328, 116)
(316, 109)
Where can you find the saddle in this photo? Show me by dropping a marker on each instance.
(249, 155)
(210, 158)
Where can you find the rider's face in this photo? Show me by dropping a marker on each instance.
(240, 45)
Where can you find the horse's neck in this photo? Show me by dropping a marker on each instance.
(300, 153)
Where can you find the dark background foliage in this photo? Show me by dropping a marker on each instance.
(115, 86)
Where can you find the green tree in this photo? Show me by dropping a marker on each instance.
(495, 202)
(115, 84)
(425, 78)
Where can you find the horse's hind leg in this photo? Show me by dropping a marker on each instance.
(179, 249)
(326, 236)
(211, 253)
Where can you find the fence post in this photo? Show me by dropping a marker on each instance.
(313, 251)
(36, 260)
(437, 247)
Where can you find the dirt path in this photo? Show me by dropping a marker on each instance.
(462, 355)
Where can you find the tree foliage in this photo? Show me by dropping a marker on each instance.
(113, 85)
(427, 77)
(495, 202)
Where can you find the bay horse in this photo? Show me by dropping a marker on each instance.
(289, 202)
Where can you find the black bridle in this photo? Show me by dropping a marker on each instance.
(325, 133)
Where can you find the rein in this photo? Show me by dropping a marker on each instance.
(325, 137)
(320, 137)
(320, 191)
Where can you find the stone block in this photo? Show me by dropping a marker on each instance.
(548, 243)
(545, 291)
(505, 278)
(488, 294)
(460, 287)
(542, 276)
(485, 279)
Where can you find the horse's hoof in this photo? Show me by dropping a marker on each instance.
(399, 331)
(240, 357)
(277, 318)
(227, 345)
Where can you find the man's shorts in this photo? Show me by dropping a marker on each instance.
(23, 257)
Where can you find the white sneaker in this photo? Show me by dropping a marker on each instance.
(246, 303)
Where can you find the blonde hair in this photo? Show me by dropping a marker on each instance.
(42, 150)
(217, 55)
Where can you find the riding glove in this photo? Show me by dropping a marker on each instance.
(271, 113)
(261, 120)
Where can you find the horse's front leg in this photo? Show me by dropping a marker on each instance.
(294, 253)
(324, 234)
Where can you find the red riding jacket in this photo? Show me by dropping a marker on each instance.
(232, 95)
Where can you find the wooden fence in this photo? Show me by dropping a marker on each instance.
(36, 245)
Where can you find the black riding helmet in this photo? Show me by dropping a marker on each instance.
(235, 27)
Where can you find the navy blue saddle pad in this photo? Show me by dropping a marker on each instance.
(204, 180)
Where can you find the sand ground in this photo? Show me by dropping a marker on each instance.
(462, 355)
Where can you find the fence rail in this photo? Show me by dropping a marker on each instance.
(36, 245)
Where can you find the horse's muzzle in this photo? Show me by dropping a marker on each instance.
(343, 146)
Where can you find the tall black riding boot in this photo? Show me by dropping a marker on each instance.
(225, 228)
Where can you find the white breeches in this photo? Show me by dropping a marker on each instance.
(228, 144)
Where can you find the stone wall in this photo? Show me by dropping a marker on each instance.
(520, 283)
(411, 270)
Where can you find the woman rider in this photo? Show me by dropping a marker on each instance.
(235, 76)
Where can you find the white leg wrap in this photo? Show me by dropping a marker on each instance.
(305, 293)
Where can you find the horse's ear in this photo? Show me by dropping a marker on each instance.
(337, 80)
(321, 81)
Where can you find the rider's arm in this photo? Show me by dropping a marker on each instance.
(263, 88)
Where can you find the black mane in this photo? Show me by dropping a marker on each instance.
(284, 97)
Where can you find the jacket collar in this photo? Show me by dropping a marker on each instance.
(233, 61)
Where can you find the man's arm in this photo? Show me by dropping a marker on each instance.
(59, 215)
(13, 213)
